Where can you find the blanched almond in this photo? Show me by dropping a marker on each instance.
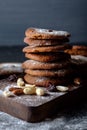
(62, 88)
(40, 91)
(29, 90)
(8, 94)
(20, 82)
(77, 81)
(29, 85)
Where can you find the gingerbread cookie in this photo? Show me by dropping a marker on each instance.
(10, 68)
(47, 57)
(50, 42)
(38, 33)
(32, 64)
(77, 50)
(79, 47)
(44, 81)
(30, 49)
(79, 62)
(50, 73)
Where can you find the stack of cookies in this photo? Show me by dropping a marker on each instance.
(47, 62)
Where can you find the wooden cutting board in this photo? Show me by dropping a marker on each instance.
(34, 108)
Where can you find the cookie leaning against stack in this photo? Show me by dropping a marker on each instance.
(47, 62)
(77, 50)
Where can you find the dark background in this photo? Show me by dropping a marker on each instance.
(17, 15)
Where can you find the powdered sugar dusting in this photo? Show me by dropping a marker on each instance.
(41, 79)
(1, 92)
(9, 68)
(52, 32)
(34, 100)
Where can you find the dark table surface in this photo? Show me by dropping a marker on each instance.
(74, 118)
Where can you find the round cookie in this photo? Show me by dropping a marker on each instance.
(79, 63)
(10, 68)
(81, 59)
(50, 42)
(50, 73)
(76, 52)
(32, 64)
(79, 47)
(30, 49)
(47, 57)
(38, 33)
(44, 81)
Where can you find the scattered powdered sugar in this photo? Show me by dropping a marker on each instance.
(1, 92)
(34, 100)
(9, 86)
(53, 32)
(34, 62)
(41, 79)
(10, 65)
(10, 68)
